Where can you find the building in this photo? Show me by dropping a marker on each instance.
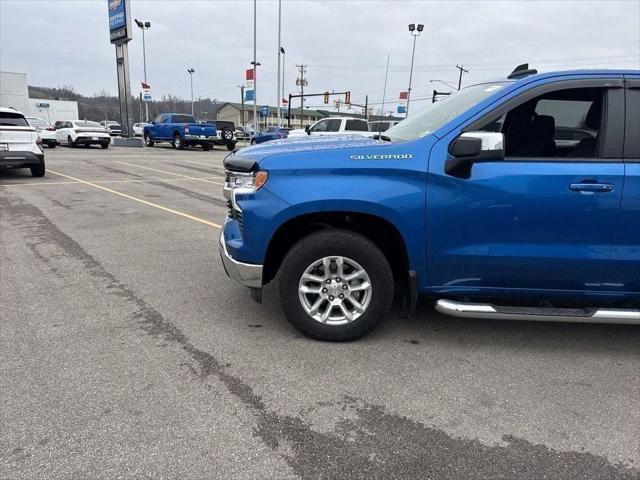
(14, 92)
(232, 111)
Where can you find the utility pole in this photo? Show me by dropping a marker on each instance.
(462, 69)
(241, 87)
(301, 81)
(283, 57)
(384, 93)
(278, 100)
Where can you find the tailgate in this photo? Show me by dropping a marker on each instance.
(17, 138)
(201, 129)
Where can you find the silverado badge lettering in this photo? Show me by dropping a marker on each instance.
(388, 156)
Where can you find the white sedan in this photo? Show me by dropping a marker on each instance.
(45, 131)
(82, 132)
(138, 129)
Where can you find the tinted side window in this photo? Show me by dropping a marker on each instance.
(13, 119)
(357, 126)
(334, 125)
(183, 119)
(564, 123)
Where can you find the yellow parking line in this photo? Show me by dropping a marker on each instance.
(37, 184)
(135, 199)
(168, 173)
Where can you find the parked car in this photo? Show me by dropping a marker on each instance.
(113, 128)
(271, 133)
(20, 145)
(225, 133)
(181, 130)
(333, 126)
(46, 131)
(74, 133)
(243, 133)
(382, 125)
(138, 129)
(473, 200)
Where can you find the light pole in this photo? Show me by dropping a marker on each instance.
(255, 66)
(282, 97)
(144, 26)
(279, 52)
(415, 32)
(191, 72)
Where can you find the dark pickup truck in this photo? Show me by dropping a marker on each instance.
(181, 130)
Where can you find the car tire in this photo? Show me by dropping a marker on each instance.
(231, 146)
(147, 140)
(206, 147)
(104, 145)
(227, 134)
(374, 285)
(253, 141)
(38, 170)
(70, 142)
(51, 144)
(178, 143)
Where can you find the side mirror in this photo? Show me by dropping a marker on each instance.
(473, 147)
(307, 129)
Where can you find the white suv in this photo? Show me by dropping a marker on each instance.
(20, 144)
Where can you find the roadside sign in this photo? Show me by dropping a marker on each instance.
(402, 102)
(146, 92)
(264, 111)
(119, 21)
(249, 92)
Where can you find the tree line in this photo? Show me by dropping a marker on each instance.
(102, 106)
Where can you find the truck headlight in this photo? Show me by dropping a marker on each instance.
(247, 181)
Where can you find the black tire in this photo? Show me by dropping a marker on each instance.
(227, 134)
(177, 142)
(38, 170)
(70, 142)
(231, 146)
(253, 141)
(206, 147)
(104, 145)
(335, 243)
(148, 141)
(51, 144)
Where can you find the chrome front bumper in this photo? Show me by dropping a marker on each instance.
(246, 274)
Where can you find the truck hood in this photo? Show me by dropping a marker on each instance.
(306, 144)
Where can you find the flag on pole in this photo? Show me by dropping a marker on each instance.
(146, 92)
(402, 102)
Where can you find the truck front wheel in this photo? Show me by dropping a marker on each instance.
(335, 285)
(148, 141)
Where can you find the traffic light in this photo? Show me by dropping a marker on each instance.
(326, 97)
(347, 97)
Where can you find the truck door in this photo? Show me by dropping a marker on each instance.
(544, 217)
(624, 271)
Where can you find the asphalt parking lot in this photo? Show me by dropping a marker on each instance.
(126, 353)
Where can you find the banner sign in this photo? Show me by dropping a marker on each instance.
(402, 102)
(146, 92)
(264, 111)
(249, 92)
(119, 21)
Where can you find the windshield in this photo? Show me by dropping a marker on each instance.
(435, 115)
(88, 124)
(36, 122)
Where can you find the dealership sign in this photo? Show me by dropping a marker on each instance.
(119, 21)
(249, 88)
(402, 102)
(146, 92)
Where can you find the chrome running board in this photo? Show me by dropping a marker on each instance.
(590, 315)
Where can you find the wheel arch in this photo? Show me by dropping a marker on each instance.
(378, 229)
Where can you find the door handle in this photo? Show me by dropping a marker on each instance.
(591, 187)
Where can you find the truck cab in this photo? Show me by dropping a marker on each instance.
(334, 126)
(515, 199)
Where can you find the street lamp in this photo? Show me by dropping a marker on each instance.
(255, 93)
(282, 97)
(279, 53)
(191, 72)
(415, 32)
(144, 26)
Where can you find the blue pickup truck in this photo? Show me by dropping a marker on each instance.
(181, 130)
(513, 199)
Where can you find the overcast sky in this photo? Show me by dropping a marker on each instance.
(345, 43)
